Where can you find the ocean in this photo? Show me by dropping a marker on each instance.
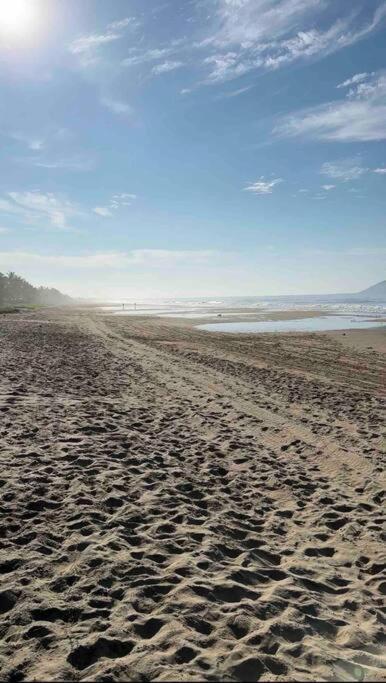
(199, 307)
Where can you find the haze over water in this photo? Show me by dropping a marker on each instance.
(209, 306)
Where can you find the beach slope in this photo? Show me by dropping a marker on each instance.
(179, 505)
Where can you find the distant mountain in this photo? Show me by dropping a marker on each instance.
(377, 291)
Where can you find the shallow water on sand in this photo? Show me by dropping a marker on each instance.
(318, 324)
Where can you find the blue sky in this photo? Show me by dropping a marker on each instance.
(201, 147)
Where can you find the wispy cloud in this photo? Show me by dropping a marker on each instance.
(102, 211)
(88, 43)
(267, 34)
(81, 164)
(139, 56)
(241, 36)
(35, 206)
(328, 187)
(344, 170)
(361, 117)
(122, 199)
(381, 171)
(35, 144)
(163, 258)
(354, 80)
(116, 202)
(3, 231)
(263, 186)
(116, 106)
(371, 87)
(255, 22)
(167, 66)
(87, 46)
(122, 23)
(234, 93)
(226, 66)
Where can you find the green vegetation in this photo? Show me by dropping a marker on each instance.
(8, 309)
(16, 292)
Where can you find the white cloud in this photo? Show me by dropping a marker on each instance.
(122, 199)
(372, 87)
(234, 93)
(328, 187)
(113, 260)
(347, 122)
(165, 57)
(102, 211)
(88, 43)
(122, 23)
(116, 106)
(36, 206)
(354, 80)
(168, 257)
(34, 144)
(68, 164)
(8, 207)
(261, 34)
(165, 67)
(344, 170)
(116, 202)
(225, 66)
(381, 171)
(246, 35)
(141, 273)
(240, 36)
(142, 56)
(361, 117)
(3, 231)
(250, 23)
(262, 186)
(87, 46)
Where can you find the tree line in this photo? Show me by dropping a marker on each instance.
(15, 290)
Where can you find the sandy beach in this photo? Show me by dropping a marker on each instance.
(184, 505)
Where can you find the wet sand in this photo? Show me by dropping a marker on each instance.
(227, 316)
(362, 340)
(185, 505)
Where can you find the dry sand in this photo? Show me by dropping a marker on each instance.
(179, 505)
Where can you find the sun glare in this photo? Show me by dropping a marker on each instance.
(17, 17)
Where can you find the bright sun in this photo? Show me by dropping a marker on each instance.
(17, 17)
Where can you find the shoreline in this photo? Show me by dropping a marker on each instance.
(373, 338)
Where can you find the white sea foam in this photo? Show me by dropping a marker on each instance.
(208, 306)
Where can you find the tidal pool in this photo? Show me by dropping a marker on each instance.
(318, 324)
